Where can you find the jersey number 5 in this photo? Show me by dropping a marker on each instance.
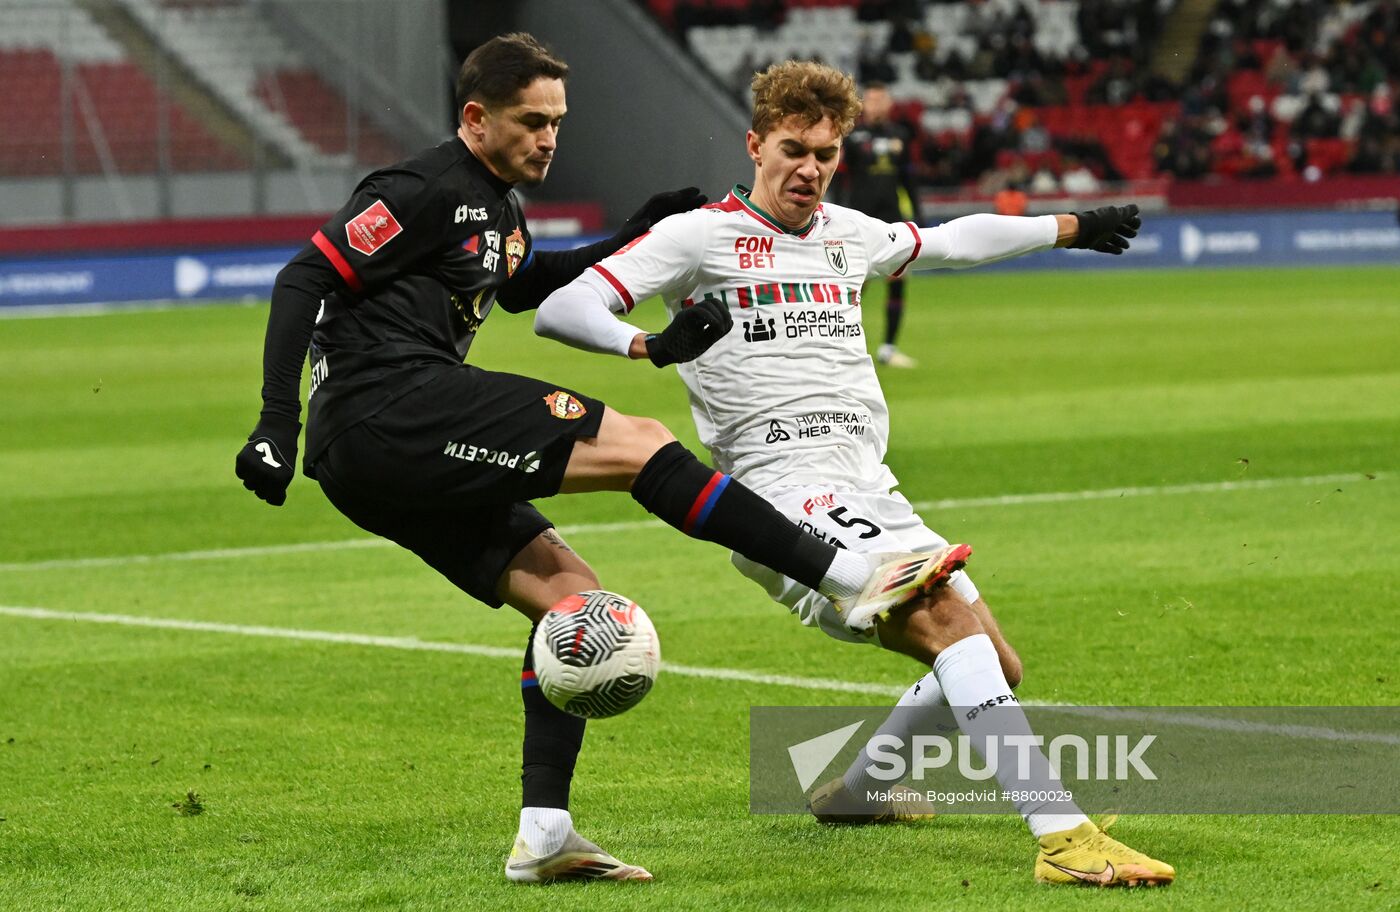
(839, 517)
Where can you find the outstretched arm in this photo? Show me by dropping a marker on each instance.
(975, 240)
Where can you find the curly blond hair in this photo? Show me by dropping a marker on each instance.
(810, 91)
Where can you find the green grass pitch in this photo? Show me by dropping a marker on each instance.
(335, 776)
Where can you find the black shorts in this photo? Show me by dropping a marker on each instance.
(447, 470)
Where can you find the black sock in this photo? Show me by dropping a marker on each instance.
(894, 310)
(552, 740)
(709, 505)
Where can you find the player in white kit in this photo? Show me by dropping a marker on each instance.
(788, 402)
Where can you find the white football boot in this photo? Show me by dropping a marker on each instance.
(899, 578)
(576, 859)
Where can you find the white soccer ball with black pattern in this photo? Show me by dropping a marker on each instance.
(596, 654)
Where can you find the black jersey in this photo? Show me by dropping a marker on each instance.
(422, 248)
(877, 162)
(392, 290)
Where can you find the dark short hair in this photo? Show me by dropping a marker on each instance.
(495, 72)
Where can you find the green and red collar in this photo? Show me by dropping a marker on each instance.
(741, 202)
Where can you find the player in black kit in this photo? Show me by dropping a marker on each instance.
(443, 458)
(878, 179)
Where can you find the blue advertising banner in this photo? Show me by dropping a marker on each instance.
(114, 279)
(1275, 239)
(223, 275)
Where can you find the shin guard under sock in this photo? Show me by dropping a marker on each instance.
(552, 741)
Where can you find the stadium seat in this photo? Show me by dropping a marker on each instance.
(321, 115)
(242, 59)
(1328, 155)
(117, 114)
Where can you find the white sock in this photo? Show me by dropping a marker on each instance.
(846, 576)
(921, 710)
(974, 685)
(544, 829)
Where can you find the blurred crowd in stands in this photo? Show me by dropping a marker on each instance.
(1303, 88)
(1293, 89)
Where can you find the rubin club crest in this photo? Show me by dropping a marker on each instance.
(836, 255)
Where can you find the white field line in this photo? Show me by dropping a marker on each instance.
(689, 671)
(417, 645)
(956, 503)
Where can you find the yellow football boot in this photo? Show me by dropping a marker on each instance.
(1088, 855)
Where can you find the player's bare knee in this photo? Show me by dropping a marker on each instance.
(651, 435)
(626, 443)
(642, 438)
(1011, 668)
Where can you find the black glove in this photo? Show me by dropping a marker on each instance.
(1107, 230)
(690, 334)
(657, 208)
(267, 462)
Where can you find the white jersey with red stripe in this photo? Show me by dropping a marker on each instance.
(790, 395)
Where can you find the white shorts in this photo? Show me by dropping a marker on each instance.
(883, 521)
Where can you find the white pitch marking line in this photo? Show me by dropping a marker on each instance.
(210, 554)
(1206, 487)
(956, 503)
(690, 671)
(417, 645)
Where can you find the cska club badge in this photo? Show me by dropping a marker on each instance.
(562, 405)
(515, 251)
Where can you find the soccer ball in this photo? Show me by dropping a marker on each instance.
(596, 654)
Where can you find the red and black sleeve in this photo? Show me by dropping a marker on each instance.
(383, 230)
(386, 227)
